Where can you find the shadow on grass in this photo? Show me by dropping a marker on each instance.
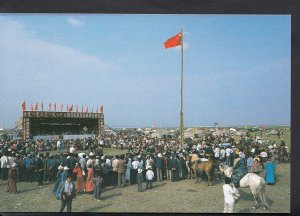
(244, 210)
(110, 196)
(28, 189)
(97, 208)
(246, 195)
(158, 185)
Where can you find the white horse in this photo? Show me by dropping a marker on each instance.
(256, 183)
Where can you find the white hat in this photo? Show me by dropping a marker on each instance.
(140, 170)
(91, 154)
(159, 155)
(68, 157)
(103, 157)
(139, 156)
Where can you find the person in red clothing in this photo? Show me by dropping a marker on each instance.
(80, 181)
(89, 186)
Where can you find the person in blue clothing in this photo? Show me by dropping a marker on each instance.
(58, 177)
(28, 163)
(51, 169)
(270, 169)
(63, 178)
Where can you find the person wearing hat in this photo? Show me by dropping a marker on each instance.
(173, 166)
(128, 165)
(39, 170)
(158, 164)
(149, 177)
(105, 170)
(139, 179)
(134, 170)
(82, 162)
(60, 170)
(12, 179)
(66, 193)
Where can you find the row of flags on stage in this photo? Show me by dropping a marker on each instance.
(68, 108)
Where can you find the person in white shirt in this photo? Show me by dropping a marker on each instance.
(149, 177)
(217, 153)
(58, 145)
(4, 166)
(72, 149)
(223, 154)
(228, 156)
(229, 194)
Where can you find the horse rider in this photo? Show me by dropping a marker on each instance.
(195, 157)
(208, 151)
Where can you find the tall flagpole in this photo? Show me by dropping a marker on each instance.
(181, 109)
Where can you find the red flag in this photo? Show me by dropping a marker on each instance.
(174, 41)
(76, 108)
(55, 107)
(50, 106)
(61, 107)
(97, 110)
(87, 109)
(101, 109)
(31, 107)
(42, 106)
(71, 108)
(24, 106)
(36, 106)
(67, 108)
(82, 109)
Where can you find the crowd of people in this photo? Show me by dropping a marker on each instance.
(147, 160)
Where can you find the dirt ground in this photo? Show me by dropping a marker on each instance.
(182, 196)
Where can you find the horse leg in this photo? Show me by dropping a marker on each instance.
(255, 192)
(262, 196)
(209, 178)
(256, 205)
(189, 169)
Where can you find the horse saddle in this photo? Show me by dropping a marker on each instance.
(203, 159)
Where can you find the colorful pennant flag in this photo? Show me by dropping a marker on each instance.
(24, 106)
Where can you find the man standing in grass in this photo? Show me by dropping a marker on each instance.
(66, 194)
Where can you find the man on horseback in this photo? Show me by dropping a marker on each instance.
(208, 151)
(239, 170)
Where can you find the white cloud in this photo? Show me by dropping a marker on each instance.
(75, 22)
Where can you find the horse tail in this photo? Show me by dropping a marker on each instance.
(262, 193)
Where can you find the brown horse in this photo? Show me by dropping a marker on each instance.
(205, 166)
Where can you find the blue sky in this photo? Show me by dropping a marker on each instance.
(237, 68)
